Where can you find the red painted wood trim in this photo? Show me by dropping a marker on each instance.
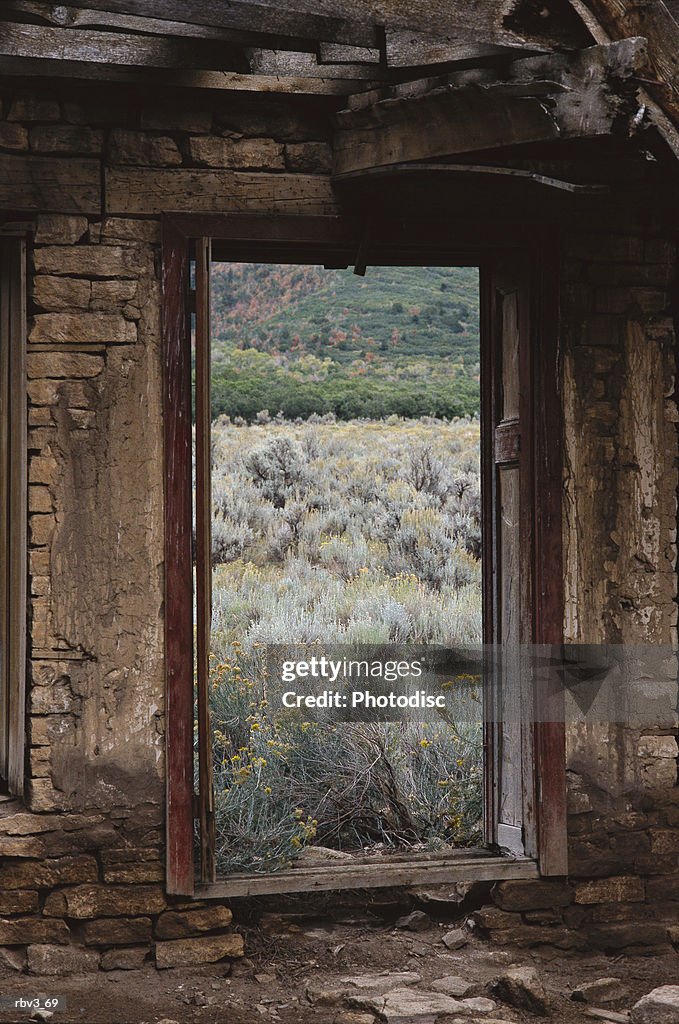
(178, 567)
(302, 239)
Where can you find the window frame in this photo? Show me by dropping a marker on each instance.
(13, 520)
(341, 241)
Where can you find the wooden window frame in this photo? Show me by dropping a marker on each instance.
(340, 241)
(13, 512)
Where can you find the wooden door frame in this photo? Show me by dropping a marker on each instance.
(341, 241)
(14, 449)
(541, 425)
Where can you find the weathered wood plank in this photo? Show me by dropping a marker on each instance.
(305, 65)
(489, 21)
(221, 81)
(371, 876)
(624, 18)
(406, 49)
(507, 441)
(139, 191)
(5, 419)
(59, 185)
(48, 43)
(663, 123)
(73, 17)
(239, 14)
(18, 482)
(178, 563)
(336, 53)
(203, 517)
(543, 98)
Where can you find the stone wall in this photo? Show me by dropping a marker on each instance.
(618, 303)
(81, 875)
(81, 860)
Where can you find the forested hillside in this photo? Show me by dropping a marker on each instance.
(303, 340)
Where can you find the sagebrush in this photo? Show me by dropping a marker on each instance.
(363, 532)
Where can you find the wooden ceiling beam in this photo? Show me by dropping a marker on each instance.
(548, 98)
(60, 15)
(406, 49)
(242, 15)
(116, 48)
(654, 21)
(159, 79)
(303, 65)
(336, 53)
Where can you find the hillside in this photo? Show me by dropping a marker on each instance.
(304, 340)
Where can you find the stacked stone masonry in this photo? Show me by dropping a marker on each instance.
(81, 859)
(82, 870)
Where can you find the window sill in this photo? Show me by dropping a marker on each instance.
(473, 865)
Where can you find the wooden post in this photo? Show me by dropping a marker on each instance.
(178, 563)
(17, 507)
(204, 561)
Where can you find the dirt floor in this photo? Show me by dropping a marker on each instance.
(288, 964)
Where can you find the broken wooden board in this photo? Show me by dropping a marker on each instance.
(546, 98)
(607, 1016)
(624, 18)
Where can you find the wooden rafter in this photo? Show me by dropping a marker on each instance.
(240, 15)
(61, 16)
(659, 25)
(116, 48)
(220, 81)
(405, 48)
(587, 94)
(304, 65)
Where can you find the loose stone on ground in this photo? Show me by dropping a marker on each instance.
(522, 987)
(661, 1006)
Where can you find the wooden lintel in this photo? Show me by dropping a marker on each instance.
(138, 191)
(242, 15)
(546, 98)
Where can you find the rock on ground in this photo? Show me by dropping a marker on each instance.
(521, 987)
(455, 939)
(451, 985)
(418, 921)
(603, 990)
(661, 1006)
(414, 1006)
(338, 990)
